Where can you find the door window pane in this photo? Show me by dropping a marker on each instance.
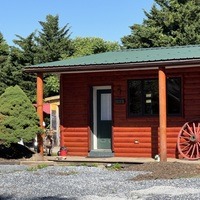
(106, 107)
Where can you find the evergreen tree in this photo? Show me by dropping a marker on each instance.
(18, 117)
(24, 55)
(53, 41)
(169, 23)
(4, 49)
(4, 56)
(27, 49)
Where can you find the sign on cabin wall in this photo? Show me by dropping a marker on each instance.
(120, 101)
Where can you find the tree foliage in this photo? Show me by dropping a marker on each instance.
(18, 117)
(169, 23)
(52, 85)
(27, 49)
(46, 45)
(24, 55)
(4, 56)
(4, 49)
(83, 46)
(53, 41)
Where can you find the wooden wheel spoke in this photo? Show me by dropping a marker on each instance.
(189, 128)
(184, 144)
(185, 138)
(194, 129)
(198, 128)
(198, 148)
(193, 150)
(185, 148)
(199, 145)
(198, 132)
(186, 132)
(187, 153)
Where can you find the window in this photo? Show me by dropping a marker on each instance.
(143, 97)
(174, 102)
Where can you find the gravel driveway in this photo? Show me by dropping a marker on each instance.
(88, 183)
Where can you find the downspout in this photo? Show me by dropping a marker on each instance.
(162, 114)
(40, 110)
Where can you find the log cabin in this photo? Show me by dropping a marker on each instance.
(128, 103)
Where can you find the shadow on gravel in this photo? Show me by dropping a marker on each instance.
(6, 197)
(15, 151)
(56, 198)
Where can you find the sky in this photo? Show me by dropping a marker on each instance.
(107, 19)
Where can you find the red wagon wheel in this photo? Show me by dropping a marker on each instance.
(189, 140)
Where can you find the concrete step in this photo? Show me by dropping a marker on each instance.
(100, 153)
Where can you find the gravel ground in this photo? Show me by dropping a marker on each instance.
(89, 183)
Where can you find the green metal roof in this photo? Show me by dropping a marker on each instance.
(130, 56)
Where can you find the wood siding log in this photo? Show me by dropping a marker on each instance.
(76, 140)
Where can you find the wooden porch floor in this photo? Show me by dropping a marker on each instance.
(125, 160)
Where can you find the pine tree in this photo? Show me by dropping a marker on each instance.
(4, 56)
(27, 49)
(53, 41)
(18, 117)
(169, 23)
(24, 55)
(4, 49)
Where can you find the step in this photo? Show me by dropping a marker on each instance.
(100, 153)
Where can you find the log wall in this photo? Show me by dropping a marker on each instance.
(132, 136)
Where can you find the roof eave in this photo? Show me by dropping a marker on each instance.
(112, 66)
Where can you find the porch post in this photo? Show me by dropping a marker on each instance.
(40, 109)
(162, 113)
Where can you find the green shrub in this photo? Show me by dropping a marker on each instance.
(116, 166)
(18, 117)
